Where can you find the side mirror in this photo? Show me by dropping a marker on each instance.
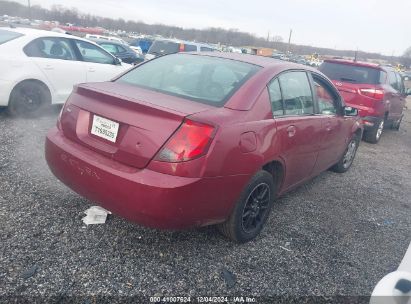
(408, 91)
(406, 78)
(350, 111)
(117, 61)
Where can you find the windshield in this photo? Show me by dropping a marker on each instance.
(164, 48)
(350, 73)
(6, 36)
(204, 79)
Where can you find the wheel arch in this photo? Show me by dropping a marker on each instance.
(277, 170)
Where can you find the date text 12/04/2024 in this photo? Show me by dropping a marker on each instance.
(222, 299)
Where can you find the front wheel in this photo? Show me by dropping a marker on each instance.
(252, 209)
(396, 124)
(348, 157)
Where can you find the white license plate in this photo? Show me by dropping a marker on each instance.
(104, 128)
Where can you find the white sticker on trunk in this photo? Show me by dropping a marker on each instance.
(104, 128)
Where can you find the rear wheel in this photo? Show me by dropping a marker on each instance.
(396, 124)
(252, 209)
(348, 157)
(373, 135)
(28, 98)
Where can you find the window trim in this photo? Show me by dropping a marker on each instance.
(307, 73)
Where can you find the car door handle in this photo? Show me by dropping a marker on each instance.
(328, 126)
(91, 69)
(291, 130)
(48, 67)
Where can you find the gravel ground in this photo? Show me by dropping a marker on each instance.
(336, 235)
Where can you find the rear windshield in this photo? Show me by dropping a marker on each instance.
(6, 36)
(208, 80)
(350, 73)
(164, 48)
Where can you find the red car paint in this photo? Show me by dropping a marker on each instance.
(129, 178)
(375, 101)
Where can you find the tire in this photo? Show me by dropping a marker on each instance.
(28, 98)
(373, 135)
(248, 217)
(396, 124)
(347, 158)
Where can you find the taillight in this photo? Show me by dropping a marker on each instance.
(373, 93)
(190, 141)
(59, 118)
(182, 47)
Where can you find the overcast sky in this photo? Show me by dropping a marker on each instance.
(371, 25)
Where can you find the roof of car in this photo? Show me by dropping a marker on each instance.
(256, 60)
(183, 41)
(355, 63)
(98, 41)
(36, 33)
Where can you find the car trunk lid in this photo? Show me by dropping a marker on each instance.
(348, 91)
(143, 120)
(355, 94)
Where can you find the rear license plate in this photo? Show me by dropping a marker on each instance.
(104, 128)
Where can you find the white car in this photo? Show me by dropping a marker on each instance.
(40, 67)
(395, 287)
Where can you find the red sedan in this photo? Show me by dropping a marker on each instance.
(200, 139)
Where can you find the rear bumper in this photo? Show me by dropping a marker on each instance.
(144, 196)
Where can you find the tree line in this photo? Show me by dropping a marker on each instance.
(213, 35)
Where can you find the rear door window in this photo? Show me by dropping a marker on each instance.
(6, 36)
(296, 92)
(50, 47)
(276, 98)
(350, 73)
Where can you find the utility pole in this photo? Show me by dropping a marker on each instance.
(29, 5)
(289, 41)
(268, 36)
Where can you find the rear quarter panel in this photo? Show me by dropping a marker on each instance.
(15, 68)
(231, 153)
